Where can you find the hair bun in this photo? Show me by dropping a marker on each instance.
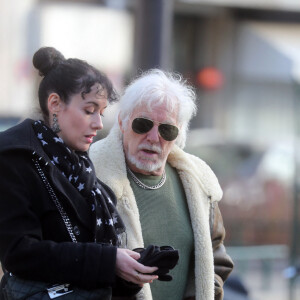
(47, 58)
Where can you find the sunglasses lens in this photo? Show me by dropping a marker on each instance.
(168, 132)
(141, 125)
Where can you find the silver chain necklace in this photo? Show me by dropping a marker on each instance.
(146, 187)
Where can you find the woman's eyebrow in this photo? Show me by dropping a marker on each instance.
(93, 103)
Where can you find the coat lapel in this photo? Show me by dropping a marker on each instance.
(200, 184)
(198, 196)
(113, 173)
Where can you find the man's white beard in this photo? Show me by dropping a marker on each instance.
(145, 166)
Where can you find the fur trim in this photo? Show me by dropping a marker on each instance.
(198, 170)
(201, 187)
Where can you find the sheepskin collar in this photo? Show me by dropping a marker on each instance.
(201, 187)
(182, 161)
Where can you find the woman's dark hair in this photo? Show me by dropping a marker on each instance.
(66, 77)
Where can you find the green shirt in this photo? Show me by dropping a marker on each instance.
(165, 220)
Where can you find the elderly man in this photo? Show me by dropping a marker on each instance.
(165, 195)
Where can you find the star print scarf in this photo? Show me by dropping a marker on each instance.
(79, 170)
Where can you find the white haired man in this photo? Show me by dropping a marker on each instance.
(165, 195)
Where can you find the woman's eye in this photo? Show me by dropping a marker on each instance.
(88, 112)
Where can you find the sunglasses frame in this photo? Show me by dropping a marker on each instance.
(160, 130)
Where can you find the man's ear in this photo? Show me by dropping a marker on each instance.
(54, 103)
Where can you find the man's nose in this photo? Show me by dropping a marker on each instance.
(153, 134)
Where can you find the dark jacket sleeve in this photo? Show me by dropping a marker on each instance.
(223, 264)
(26, 215)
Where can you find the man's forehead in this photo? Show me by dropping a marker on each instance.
(158, 111)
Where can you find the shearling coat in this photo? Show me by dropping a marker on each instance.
(202, 192)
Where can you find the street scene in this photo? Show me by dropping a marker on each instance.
(242, 59)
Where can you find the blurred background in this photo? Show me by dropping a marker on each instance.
(242, 56)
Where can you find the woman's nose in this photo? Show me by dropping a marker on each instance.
(97, 123)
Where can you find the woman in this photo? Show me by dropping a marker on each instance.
(58, 223)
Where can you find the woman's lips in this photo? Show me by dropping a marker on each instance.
(89, 138)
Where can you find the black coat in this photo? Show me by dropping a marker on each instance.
(34, 242)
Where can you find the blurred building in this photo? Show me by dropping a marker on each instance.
(241, 55)
(85, 29)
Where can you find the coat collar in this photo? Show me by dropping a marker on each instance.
(114, 168)
(22, 137)
(182, 161)
(200, 184)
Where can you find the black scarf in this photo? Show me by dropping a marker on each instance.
(79, 170)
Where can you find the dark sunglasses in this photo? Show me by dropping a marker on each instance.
(167, 131)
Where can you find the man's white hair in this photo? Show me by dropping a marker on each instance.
(155, 87)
